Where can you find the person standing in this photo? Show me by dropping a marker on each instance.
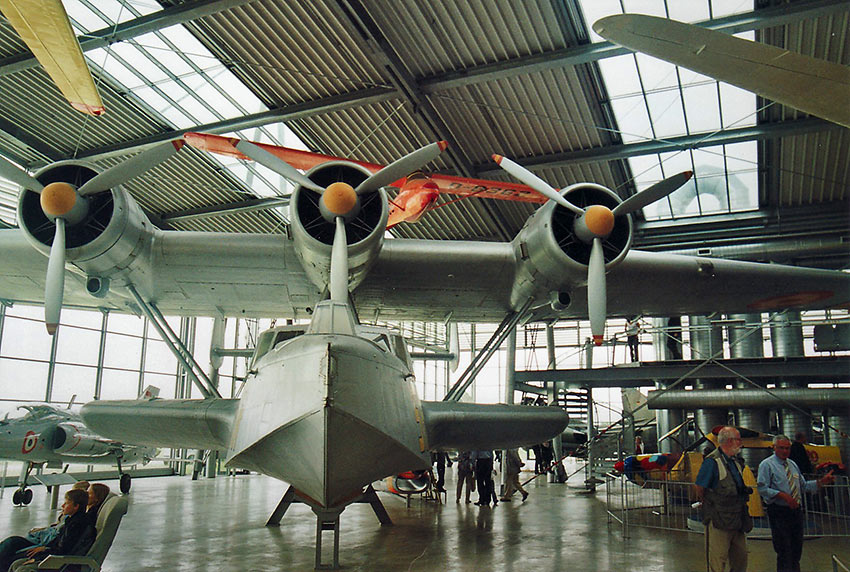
(484, 476)
(799, 454)
(781, 485)
(632, 331)
(441, 458)
(465, 474)
(674, 338)
(720, 487)
(513, 466)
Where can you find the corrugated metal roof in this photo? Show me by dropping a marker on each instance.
(292, 53)
(813, 168)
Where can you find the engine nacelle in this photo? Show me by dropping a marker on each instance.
(552, 260)
(74, 440)
(107, 244)
(313, 236)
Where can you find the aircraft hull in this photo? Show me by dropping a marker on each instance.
(329, 414)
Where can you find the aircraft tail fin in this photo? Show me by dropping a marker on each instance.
(149, 392)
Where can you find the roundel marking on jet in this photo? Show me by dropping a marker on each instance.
(30, 441)
(790, 300)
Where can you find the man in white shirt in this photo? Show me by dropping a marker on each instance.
(781, 485)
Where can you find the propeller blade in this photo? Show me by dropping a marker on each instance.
(9, 171)
(596, 293)
(54, 287)
(44, 27)
(277, 165)
(651, 194)
(132, 167)
(535, 182)
(339, 264)
(401, 168)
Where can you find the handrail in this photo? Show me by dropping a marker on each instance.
(838, 565)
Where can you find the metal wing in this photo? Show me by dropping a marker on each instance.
(260, 276)
(812, 85)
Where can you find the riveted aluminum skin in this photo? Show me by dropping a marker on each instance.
(329, 414)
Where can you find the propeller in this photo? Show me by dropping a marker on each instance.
(592, 225)
(65, 204)
(340, 199)
(401, 168)
(9, 171)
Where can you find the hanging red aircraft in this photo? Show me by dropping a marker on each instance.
(417, 193)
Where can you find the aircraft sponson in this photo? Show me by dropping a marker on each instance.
(472, 426)
(183, 423)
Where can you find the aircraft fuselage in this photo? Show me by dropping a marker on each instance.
(330, 414)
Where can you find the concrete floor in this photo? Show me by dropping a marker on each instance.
(175, 524)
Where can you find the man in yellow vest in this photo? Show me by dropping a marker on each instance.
(720, 487)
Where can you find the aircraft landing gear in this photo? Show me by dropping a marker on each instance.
(23, 496)
(124, 482)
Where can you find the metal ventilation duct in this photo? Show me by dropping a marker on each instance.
(835, 397)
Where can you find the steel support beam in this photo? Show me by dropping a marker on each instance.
(560, 58)
(572, 56)
(823, 369)
(224, 209)
(670, 144)
(279, 114)
(481, 358)
(409, 88)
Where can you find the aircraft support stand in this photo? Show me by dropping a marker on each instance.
(327, 519)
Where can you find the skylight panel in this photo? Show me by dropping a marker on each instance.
(652, 99)
(647, 168)
(81, 14)
(648, 7)
(722, 8)
(655, 74)
(665, 112)
(738, 106)
(633, 118)
(702, 107)
(176, 76)
(623, 68)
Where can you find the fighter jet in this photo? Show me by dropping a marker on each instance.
(50, 436)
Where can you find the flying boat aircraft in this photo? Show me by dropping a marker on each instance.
(334, 408)
(47, 435)
(341, 387)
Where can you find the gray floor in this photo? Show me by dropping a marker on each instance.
(217, 524)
